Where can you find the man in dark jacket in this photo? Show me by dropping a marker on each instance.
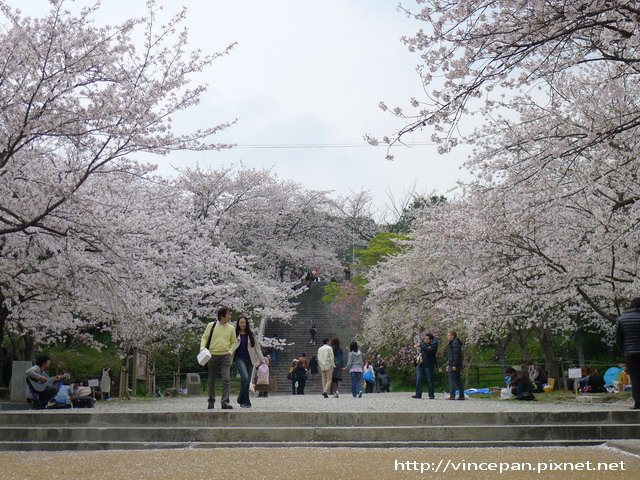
(454, 366)
(628, 340)
(424, 371)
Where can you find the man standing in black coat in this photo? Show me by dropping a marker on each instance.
(425, 371)
(454, 366)
(628, 340)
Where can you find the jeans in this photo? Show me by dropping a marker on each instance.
(220, 364)
(356, 383)
(425, 373)
(455, 383)
(244, 368)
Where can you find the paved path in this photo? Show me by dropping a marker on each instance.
(374, 402)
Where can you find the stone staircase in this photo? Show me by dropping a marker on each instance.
(328, 325)
(129, 430)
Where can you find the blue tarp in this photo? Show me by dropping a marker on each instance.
(482, 391)
(612, 375)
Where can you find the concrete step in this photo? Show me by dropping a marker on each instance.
(320, 435)
(84, 446)
(126, 430)
(249, 418)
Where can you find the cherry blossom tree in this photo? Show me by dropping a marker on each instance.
(475, 50)
(77, 97)
(543, 241)
(276, 223)
(76, 101)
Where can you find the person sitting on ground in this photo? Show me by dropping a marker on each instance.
(538, 377)
(582, 381)
(595, 383)
(63, 398)
(509, 374)
(625, 384)
(82, 396)
(42, 387)
(521, 386)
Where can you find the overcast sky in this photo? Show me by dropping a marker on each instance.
(304, 73)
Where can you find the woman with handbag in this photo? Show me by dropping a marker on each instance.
(248, 353)
(368, 376)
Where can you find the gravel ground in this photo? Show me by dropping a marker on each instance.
(323, 463)
(373, 402)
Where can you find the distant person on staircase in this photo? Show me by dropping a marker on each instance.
(338, 359)
(293, 376)
(304, 362)
(327, 364)
(347, 273)
(301, 376)
(354, 367)
(309, 279)
(312, 332)
(313, 368)
(274, 353)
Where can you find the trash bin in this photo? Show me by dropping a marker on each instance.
(193, 384)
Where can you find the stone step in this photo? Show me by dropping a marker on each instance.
(84, 446)
(246, 418)
(320, 435)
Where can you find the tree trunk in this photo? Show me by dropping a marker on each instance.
(4, 314)
(29, 348)
(551, 363)
(501, 349)
(467, 356)
(580, 348)
(521, 336)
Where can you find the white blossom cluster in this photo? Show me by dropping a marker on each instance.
(546, 238)
(90, 239)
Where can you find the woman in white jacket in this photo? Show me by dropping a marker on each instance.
(248, 353)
